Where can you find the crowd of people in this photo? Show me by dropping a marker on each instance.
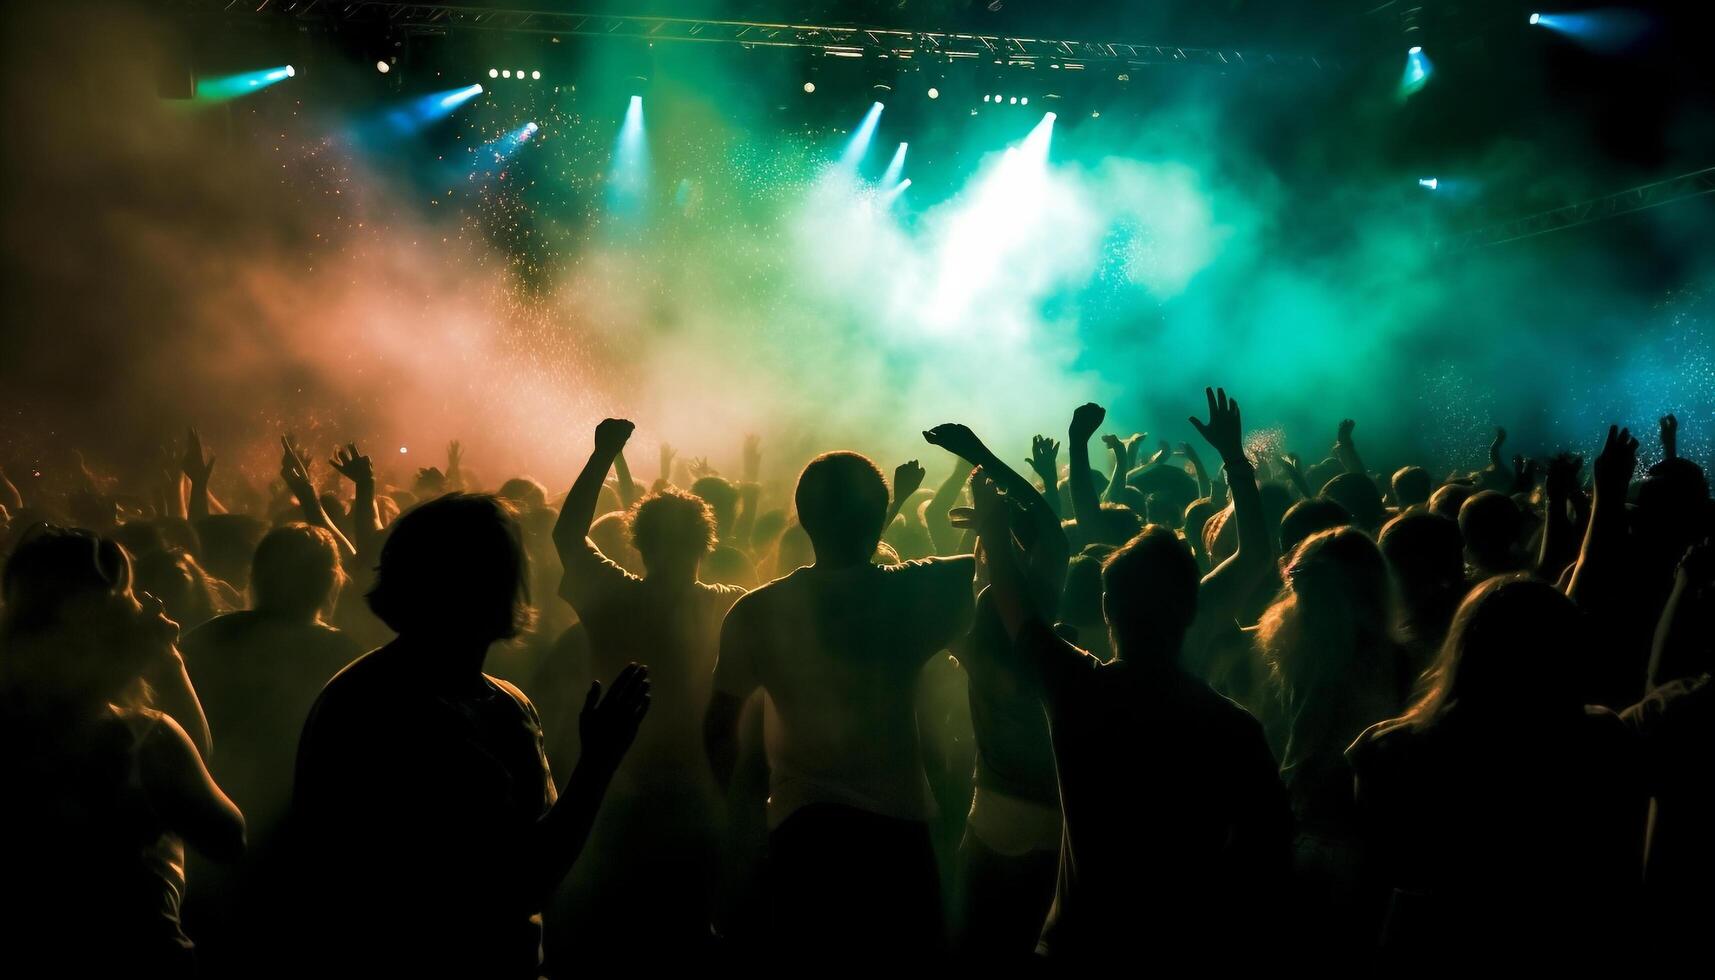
(1124, 710)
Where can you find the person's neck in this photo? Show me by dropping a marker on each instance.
(672, 574)
(839, 562)
(445, 661)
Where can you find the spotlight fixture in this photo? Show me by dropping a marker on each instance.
(383, 67)
(1024, 100)
(1415, 49)
(934, 93)
(809, 87)
(506, 73)
(1429, 182)
(1535, 19)
(985, 98)
(1013, 100)
(535, 76)
(494, 73)
(291, 72)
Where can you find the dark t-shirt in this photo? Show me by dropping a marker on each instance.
(413, 811)
(1177, 829)
(1522, 835)
(1675, 725)
(1014, 753)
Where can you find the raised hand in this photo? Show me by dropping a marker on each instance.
(295, 470)
(352, 465)
(1617, 461)
(193, 464)
(1086, 419)
(612, 434)
(988, 509)
(1045, 459)
(1224, 431)
(907, 477)
(959, 440)
(1115, 445)
(700, 468)
(752, 466)
(667, 455)
(608, 725)
(1669, 436)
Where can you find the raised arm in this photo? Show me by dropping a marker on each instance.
(1045, 463)
(365, 518)
(455, 466)
(197, 469)
(1559, 533)
(907, 477)
(1682, 648)
(1226, 589)
(942, 534)
(749, 493)
(295, 471)
(607, 727)
(1121, 453)
(585, 566)
(959, 439)
(1294, 468)
(1669, 436)
(629, 493)
(1086, 506)
(1593, 578)
(1345, 450)
(10, 498)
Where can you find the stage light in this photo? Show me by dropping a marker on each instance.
(520, 73)
(997, 97)
(1417, 71)
(1429, 182)
(383, 67)
(403, 450)
(629, 179)
(494, 73)
(895, 167)
(892, 193)
(809, 87)
(934, 93)
(506, 74)
(1024, 101)
(1012, 101)
(1535, 19)
(1606, 29)
(985, 97)
(1095, 113)
(535, 76)
(861, 136)
(232, 86)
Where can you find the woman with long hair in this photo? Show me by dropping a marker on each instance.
(1505, 814)
(102, 790)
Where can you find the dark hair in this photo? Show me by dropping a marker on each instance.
(721, 495)
(671, 522)
(295, 570)
(1490, 522)
(454, 565)
(1509, 651)
(1358, 494)
(1412, 486)
(1149, 592)
(1307, 517)
(49, 638)
(1081, 595)
(1449, 497)
(524, 493)
(841, 500)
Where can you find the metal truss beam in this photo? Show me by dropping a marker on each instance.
(835, 41)
(1658, 194)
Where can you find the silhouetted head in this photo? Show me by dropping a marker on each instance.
(1197, 514)
(611, 532)
(1490, 524)
(1412, 486)
(1277, 499)
(228, 545)
(672, 530)
(1308, 516)
(722, 497)
(296, 572)
(1427, 555)
(524, 494)
(454, 568)
(1510, 652)
(1673, 508)
(1149, 595)
(71, 631)
(1333, 619)
(1358, 494)
(841, 500)
(175, 578)
(1081, 596)
(1447, 500)
(1175, 488)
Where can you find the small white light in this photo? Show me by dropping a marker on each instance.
(1095, 113)
(402, 450)
(535, 76)
(1535, 18)
(383, 67)
(1024, 101)
(809, 87)
(985, 98)
(494, 73)
(506, 74)
(290, 71)
(934, 93)
(1416, 49)
(1013, 100)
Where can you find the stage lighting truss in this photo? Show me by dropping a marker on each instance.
(841, 42)
(1642, 198)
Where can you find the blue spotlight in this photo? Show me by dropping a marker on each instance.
(892, 194)
(1604, 29)
(226, 87)
(894, 168)
(629, 179)
(430, 108)
(1429, 182)
(861, 136)
(1417, 71)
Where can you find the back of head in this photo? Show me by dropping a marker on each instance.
(672, 527)
(1425, 551)
(721, 495)
(1412, 486)
(841, 500)
(1490, 523)
(1358, 494)
(1511, 651)
(1081, 596)
(524, 494)
(1307, 517)
(296, 571)
(68, 619)
(1149, 594)
(1447, 500)
(454, 568)
(1172, 484)
(1197, 514)
(229, 545)
(1335, 615)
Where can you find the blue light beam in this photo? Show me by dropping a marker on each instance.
(629, 180)
(861, 137)
(895, 168)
